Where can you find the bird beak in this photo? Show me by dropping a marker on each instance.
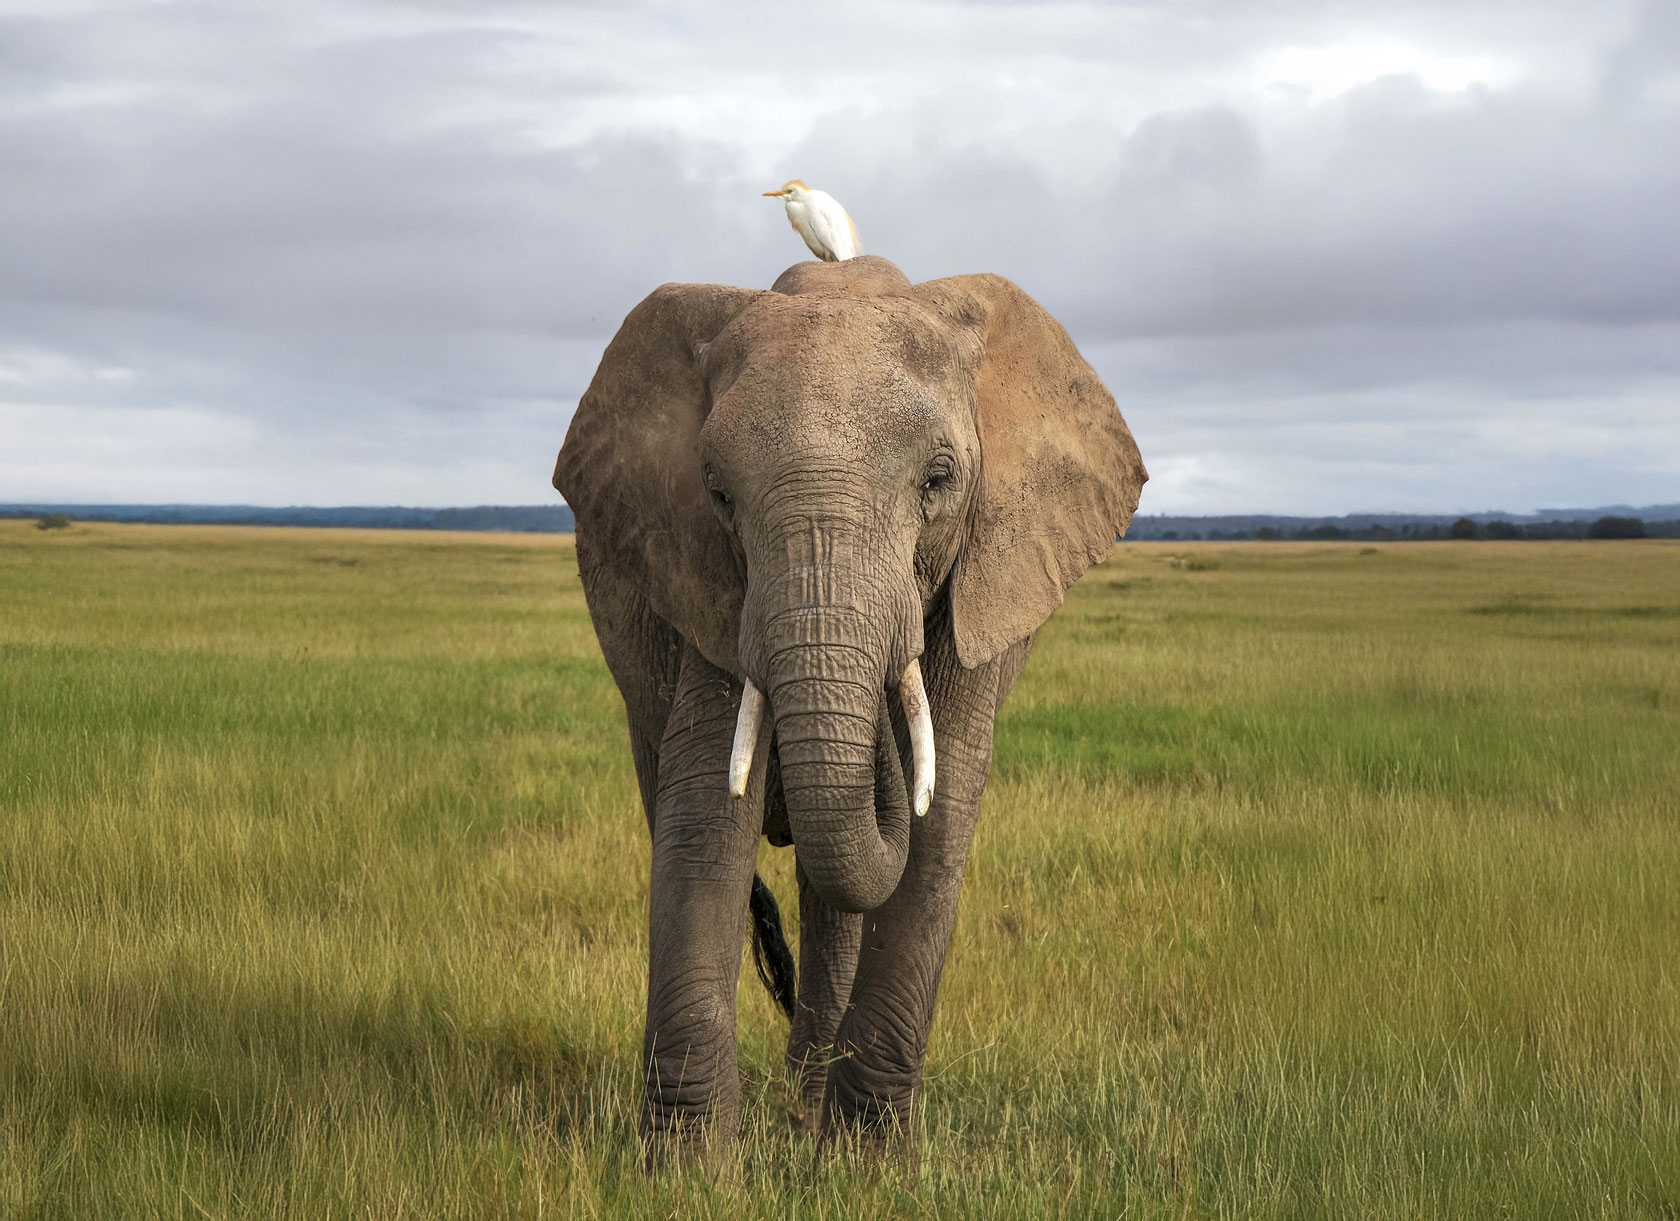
(775, 194)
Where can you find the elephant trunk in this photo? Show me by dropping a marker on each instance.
(917, 716)
(841, 775)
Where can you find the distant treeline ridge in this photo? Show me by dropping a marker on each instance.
(1612, 521)
(514, 519)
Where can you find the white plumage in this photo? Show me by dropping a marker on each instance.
(818, 218)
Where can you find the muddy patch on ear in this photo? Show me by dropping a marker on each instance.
(927, 353)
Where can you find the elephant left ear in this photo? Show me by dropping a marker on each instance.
(1060, 474)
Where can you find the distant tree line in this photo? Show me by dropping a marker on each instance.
(523, 519)
(1608, 526)
(557, 519)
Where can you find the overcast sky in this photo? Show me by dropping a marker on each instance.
(1329, 257)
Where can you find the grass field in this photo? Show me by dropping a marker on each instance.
(1314, 880)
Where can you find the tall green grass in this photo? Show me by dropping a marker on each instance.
(1313, 880)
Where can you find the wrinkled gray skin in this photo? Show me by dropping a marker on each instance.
(810, 487)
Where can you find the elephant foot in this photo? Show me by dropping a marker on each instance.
(692, 1146)
(869, 1127)
(876, 1150)
(808, 1081)
(805, 1112)
(689, 1127)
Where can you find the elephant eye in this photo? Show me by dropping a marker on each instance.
(937, 479)
(714, 488)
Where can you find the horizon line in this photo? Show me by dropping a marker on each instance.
(25, 506)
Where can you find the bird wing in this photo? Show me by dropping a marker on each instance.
(799, 216)
(830, 225)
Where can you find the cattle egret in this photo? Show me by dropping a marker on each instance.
(818, 218)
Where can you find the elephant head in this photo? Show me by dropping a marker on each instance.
(802, 481)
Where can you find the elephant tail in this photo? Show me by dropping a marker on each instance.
(770, 948)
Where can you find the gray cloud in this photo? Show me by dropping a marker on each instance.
(1328, 257)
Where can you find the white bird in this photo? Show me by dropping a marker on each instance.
(818, 218)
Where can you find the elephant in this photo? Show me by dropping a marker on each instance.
(817, 528)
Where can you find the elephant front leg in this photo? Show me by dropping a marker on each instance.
(704, 844)
(882, 1041)
(828, 950)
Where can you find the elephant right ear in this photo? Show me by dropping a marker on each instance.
(630, 466)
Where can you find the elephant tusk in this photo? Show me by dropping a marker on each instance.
(913, 696)
(746, 737)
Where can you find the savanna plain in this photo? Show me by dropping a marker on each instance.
(1313, 880)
